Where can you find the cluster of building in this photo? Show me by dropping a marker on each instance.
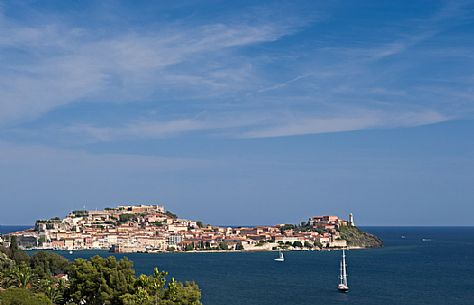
(150, 228)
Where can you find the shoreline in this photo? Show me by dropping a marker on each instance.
(205, 251)
(152, 229)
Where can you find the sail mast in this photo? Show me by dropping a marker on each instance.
(343, 274)
(344, 270)
(341, 279)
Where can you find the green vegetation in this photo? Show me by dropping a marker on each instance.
(99, 280)
(80, 213)
(124, 218)
(297, 244)
(48, 263)
(189, 247)
(154, 290)
(317, 244)
(287, 227)
(353, 235)
(14, 252)
(357, 238)
(19, 296)
(46, 278)
(107, 281)
(223, 246)
(5, 262)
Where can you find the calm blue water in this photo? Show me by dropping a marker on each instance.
(405, 271)
(8, 229)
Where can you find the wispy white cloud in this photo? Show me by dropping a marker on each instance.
(400, 38)
(259, 126)
(62, 65)
(283, 84)
(226, 123)
(204, 68)
(144, 129)
(304, 124)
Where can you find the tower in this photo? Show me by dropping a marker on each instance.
(351, 220)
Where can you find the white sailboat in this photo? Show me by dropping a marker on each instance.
(280, 258)
(342, 287)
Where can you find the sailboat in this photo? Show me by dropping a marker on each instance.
(342, 287)
(280, 258)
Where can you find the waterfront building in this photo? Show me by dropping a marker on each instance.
(150, 228)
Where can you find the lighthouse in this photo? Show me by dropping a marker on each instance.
(351, 220)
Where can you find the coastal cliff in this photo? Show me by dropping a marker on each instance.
(357, 238)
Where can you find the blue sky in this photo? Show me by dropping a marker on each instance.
(239, 112)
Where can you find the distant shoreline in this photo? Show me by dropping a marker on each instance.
(202, 251)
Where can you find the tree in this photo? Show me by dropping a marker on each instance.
(123, 218)
(80, 213)
(307, 244)
(20, 276)
(318, 244)
(239, 246)
(100, 280)
(5, 266)
(15, 253)
(51, 288)
(154, 290)
(287, 227)
(155, 284)
(223, 246)
(19, 296)
(5, 262)
(177, 293)
(13, 243)
(41, 240)
(297, 244)
(48, 263)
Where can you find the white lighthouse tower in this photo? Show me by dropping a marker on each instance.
(351, 220)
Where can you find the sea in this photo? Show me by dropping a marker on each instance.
(417, 265)
(8, 229)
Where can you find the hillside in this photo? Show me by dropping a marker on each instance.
(357, 238)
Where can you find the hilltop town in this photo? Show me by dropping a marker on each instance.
(150, 228)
